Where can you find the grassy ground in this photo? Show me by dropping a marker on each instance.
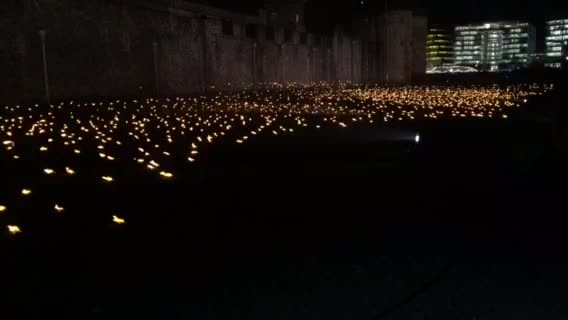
(466, 225)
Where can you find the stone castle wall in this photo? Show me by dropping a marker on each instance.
(108, 48)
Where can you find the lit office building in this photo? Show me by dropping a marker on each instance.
(439, 48)
(564, 63)
(495, 46)
(556, 42)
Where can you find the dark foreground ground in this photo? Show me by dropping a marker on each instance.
(467, 225)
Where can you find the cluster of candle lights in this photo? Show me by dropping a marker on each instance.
(158, 136)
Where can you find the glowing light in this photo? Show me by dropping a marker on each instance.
(166, 174)
(13, 229)
(227, 118)
(3, 208)
(59, 208)
(118, 220)
(26, 192)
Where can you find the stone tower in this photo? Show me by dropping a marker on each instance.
(287, 13)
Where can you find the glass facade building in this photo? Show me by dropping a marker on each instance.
(495, 46)
(439, 48)
(556, 42)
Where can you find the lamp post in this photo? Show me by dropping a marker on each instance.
(155, 47)
(254, 80)
(281, 63)
(42, 34)
(386, 58)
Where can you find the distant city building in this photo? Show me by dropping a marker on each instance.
(450, 69)
(556, 41)
(536, 60)
(564, 63)
(495, 46)
(439, 48)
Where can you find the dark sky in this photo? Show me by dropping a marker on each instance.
(455, 12)
(322, 15)
(439, 11)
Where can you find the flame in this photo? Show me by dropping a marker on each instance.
(167, 175)
(118, 220)
(13, 229)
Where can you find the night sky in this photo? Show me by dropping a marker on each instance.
(439, 11)
(323, 15)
